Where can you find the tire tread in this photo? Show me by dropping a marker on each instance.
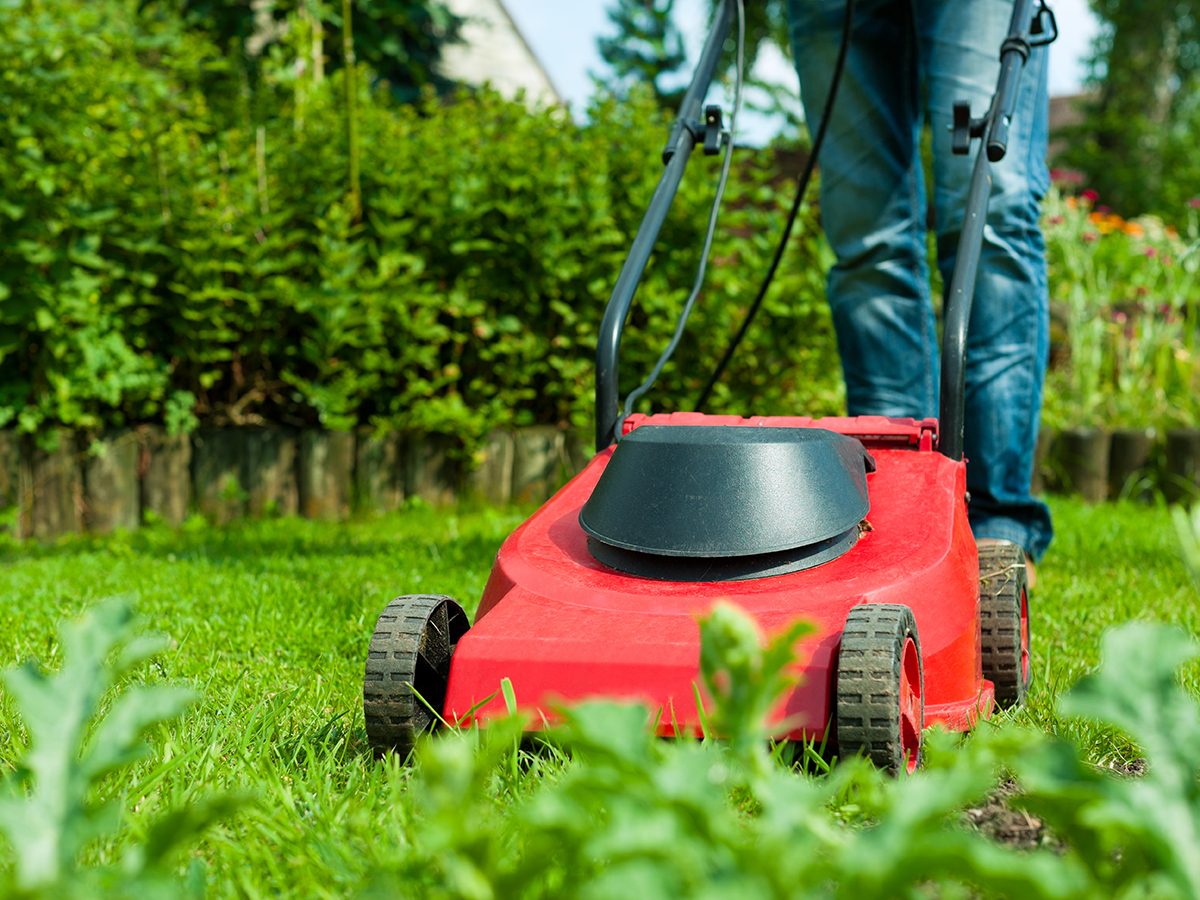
(1002, 580)
(393, 714)
(867, 697)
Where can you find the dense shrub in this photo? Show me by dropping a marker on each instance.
(97, 114)
(165, 258)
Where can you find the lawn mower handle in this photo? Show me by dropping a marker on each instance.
(993, 130)
(685, 133)
(687, 130)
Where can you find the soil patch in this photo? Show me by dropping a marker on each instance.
(996, 818)
(1002, 823)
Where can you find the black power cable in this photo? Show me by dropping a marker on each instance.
(801, 189)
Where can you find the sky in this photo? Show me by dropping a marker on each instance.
(563, 35)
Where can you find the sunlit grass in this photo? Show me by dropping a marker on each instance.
(270, 622)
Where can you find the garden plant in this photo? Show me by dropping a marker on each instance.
(1124, 300)
(1127, 294)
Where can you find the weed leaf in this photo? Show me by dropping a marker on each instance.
(1132, 833)
(1187, 526)
(744, 679)
(48, 811)
(117, 740)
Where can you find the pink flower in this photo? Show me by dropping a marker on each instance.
(1194, 203)
(1150, 252)
(1056, 220)
(1066, 176)
(1120, 318)
(1090, 195)
(1090, 236)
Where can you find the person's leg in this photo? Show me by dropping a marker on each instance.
(872, 201)
(1008, 338)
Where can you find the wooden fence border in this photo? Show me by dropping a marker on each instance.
(71, 483)
(128, 477)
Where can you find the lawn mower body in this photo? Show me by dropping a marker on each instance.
(564, 627)
(856, 525)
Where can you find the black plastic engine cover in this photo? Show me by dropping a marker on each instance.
(722, 492)
(722, 568)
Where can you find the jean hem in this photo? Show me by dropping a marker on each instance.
(1031, 540)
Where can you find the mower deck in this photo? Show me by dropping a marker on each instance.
(563, 627)
(599, 593)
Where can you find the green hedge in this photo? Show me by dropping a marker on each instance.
(174, 253)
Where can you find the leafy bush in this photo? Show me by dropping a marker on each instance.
(184, 243)
(171, 239)
(1141, 114)
(95, 116)
(402, 40)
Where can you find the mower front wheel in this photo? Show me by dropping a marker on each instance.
(1004, 622)
(408, 668)
(880, 707)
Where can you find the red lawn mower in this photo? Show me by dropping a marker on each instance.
(857, 525)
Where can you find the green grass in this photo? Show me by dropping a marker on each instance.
(270, 622)
(1109, 564)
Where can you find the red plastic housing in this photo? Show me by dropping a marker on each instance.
(563, 627)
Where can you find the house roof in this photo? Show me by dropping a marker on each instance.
(493, 51)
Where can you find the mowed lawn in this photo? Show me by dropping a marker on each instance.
(270, 622)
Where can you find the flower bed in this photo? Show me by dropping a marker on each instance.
(1124, 381)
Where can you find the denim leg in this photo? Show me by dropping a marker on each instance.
(872, 201)
(1008, 338)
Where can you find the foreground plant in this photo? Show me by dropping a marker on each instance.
(619, 812)
(1136, 835)
(48, 807)
(1187, 526)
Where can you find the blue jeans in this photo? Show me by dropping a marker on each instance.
(908, 62)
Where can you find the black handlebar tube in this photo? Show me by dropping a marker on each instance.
(952, 414)
(682, 139)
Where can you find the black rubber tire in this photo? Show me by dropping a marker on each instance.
(868, 713)
(1004, 643)
(414, 639)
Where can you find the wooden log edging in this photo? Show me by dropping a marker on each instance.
(165, 468)
(111, 489)
(326, 467)
(121, 480)
(378, 472)
(1122, 464)
(50, 499)
(68, 483)
(1182, 475)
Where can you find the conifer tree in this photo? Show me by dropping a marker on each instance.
(646, 47)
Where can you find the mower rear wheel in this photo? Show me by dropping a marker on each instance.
(880, 692)
(1004, 622)
(408, 667)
